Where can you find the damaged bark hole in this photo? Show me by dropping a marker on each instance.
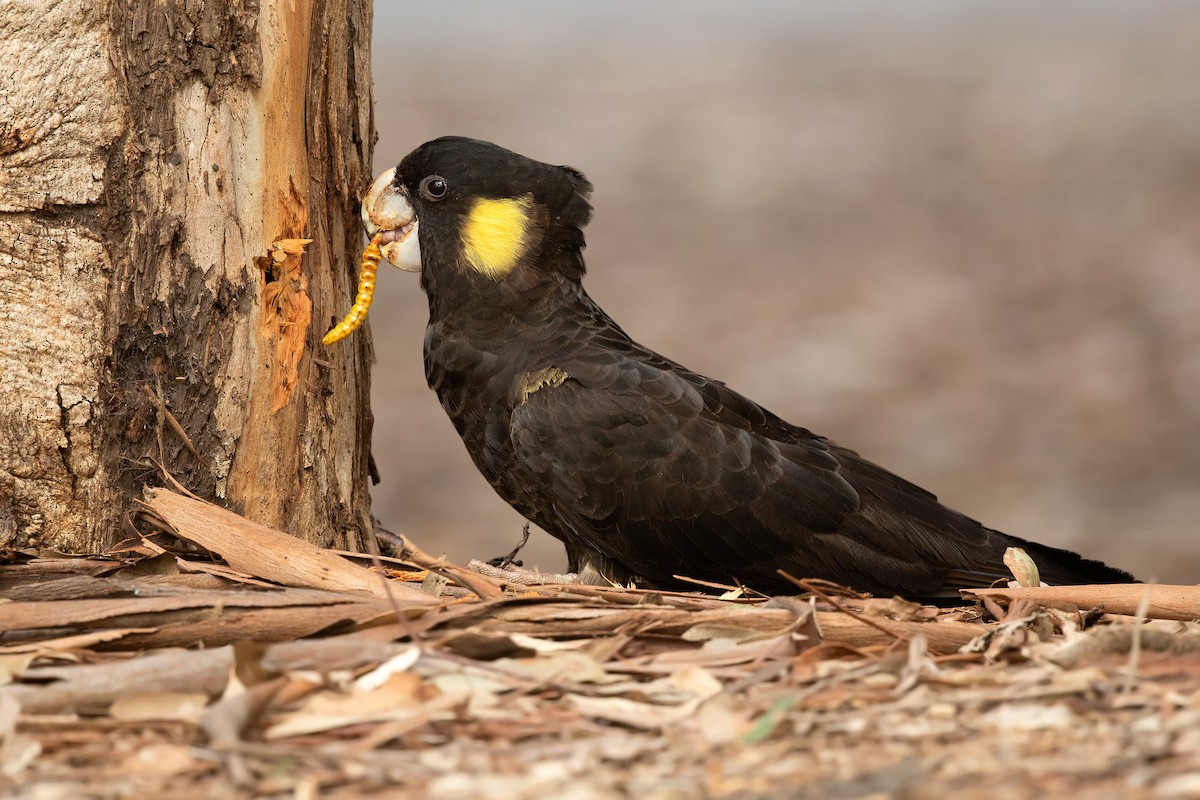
(286, 314)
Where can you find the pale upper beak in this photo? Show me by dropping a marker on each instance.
(386, 210)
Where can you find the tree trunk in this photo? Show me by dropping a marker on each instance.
(153, 156)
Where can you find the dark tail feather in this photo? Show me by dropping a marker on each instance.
(1062, 567)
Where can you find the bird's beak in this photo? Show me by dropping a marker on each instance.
(386, 210)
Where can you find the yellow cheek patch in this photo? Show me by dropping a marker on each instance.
(496, 234)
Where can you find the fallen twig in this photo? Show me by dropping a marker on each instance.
(1164, 601)
(486, 588)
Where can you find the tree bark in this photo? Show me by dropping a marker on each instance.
(158, 158)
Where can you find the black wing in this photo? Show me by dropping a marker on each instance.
(667, 472)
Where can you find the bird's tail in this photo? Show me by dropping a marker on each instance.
(1063, 567)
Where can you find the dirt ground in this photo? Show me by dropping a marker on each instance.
(287, 671)
(962, 239)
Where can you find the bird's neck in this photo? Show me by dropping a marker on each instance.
(544, 282)
(490, 343)
(524, 303)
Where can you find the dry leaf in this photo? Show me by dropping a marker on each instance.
(186, 706)
(712, 698)
(327, 710)
(162, 759)
(537, 645)
(1030, 717)
(1022, 567)
(16, 753)
(722, 720)
(339, 653)
(631, 712)
(563, 666)
(382, 674)
(226, 720)
(10, 665)
(17, 750)
(697, 681)
(96, 686)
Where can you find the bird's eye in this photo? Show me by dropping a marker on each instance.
(434, 187)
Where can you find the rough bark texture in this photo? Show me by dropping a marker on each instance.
(153, 156)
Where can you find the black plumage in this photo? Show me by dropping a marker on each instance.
(644, 469)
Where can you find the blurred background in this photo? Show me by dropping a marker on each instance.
(960, 238)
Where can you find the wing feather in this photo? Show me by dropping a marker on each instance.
(666, 472)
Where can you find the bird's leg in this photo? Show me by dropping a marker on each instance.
(591, 568)
(503, 562)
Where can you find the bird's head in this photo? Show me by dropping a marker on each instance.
(470, 215)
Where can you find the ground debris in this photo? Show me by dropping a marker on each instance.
(160, 671)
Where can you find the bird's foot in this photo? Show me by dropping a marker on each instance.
(513, 573)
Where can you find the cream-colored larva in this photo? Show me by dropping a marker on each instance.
(366, 292)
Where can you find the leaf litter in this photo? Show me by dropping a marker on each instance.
(213, 657)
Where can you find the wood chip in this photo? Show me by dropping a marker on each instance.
(1165, 602)
(264, 552)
